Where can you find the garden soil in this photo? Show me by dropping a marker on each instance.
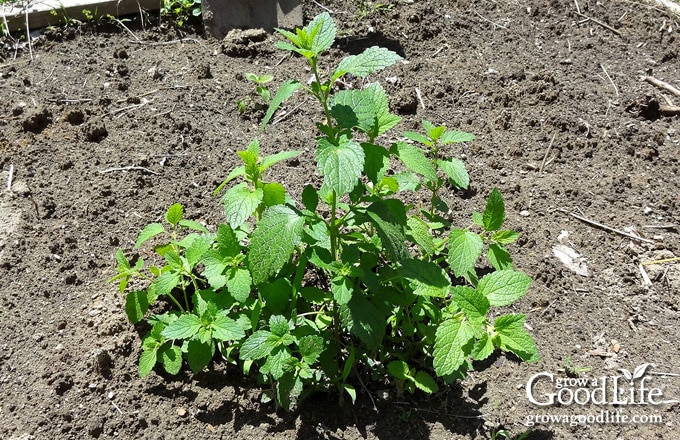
(102, 128)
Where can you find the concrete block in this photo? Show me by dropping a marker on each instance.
(221, 16)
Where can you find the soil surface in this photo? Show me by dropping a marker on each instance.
(105, 128)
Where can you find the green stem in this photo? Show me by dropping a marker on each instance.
(174, 300)
(333, 227)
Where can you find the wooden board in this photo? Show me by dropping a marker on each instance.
(40, 14)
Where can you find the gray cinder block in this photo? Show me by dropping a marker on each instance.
(221, 16)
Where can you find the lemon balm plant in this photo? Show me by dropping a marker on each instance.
(349, 280)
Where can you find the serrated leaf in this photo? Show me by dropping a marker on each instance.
(504, 236)
(197, 249)
(478, 219)
(425, 278)
(504, 287)
(174, 214)
(340, 165)
(450, 137)
(240, 202)
(354, 108)
(511, 336)
(421, 234)
(425, 382)
(473, 303)
(494, 214)
(415, 160)
(398, 369)
(465, 247)
(370, 60)
(418, 137)
(149, 231)
(288, 390)
(321, 31)
(257, 346)
(165, 283)
(278, 157)
(311, 347)
(121, 260)
(136, 305)
(236, 172)
(453, 343)
(282, 94)
(455, 170)
(499, 257)
(227, 241)
(342, 289)
(273, 241)
(199, 355)
(214, 269)
(226, 329)
(365, 322)
(483, 348)
(276, 363)
(376, 162)
(278, 325)
(273, 194)
(183, 327)
(389, 218)
(147, 360)
(407, 181)
(171, 358)
(276, 294)
(238, 281)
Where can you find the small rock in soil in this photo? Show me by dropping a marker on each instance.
(38, 121)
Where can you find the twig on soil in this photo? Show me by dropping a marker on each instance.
(545, 156)
(604, 25)
(489, 21)
(69, 100)
(578, 9)
(661, 84)
(48, 76)
(669, 226)
(616, 89)
(665, 260)
(9, 177)
(420, 98)
(130, 168)
(608, 228)
(287, 114)
(164, 43)
(645, 276)
(116, 406)
(322, 7)
(28, 33)
(436, 52)
(127, 29)
(375, 408)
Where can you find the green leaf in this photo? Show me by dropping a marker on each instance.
(351, 391)
(311, 347)
(174, 214)
(136, 305)
(257, 346)
(465, 247)
(240, 202)
(504, 287)
(149, 231)
(285, 91)
(340, 165)
(183, 327)
(147, 360)
(278, 157)
(385, 120)
(226, 329)
(197, 249)
(370, 60)
(277, 363)
(494, 214)
(376, 163)
(415, 160)
(236, 172)
(483, 348)
(478, 219)
(288, 390)
(239, 281)
(199, 355)
(504, 236)
(193, 224)
(399, 369)
(425, 278)
(511, 336)
(421, 234)
(165, 283)
(455, 170)
(278, 325)
(273, 241)
(276, 294)
(321, 32)
(354, 108)
(171, 358)
(365, 321)
(473, 303)
(214, 269)
(342, 289)
(499, 257)
(273, 194)
(227, 241)
(450, 137)
(453, 343)
(418, 137)
(425, 382)
(310, 198)
(389, 218)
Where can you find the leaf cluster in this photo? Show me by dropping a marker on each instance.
(349, 280)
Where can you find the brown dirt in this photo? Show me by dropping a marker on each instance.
(529, 78)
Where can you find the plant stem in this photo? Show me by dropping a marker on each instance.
(332, 227)
(174, 300)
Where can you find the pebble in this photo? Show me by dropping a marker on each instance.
(524, 213)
